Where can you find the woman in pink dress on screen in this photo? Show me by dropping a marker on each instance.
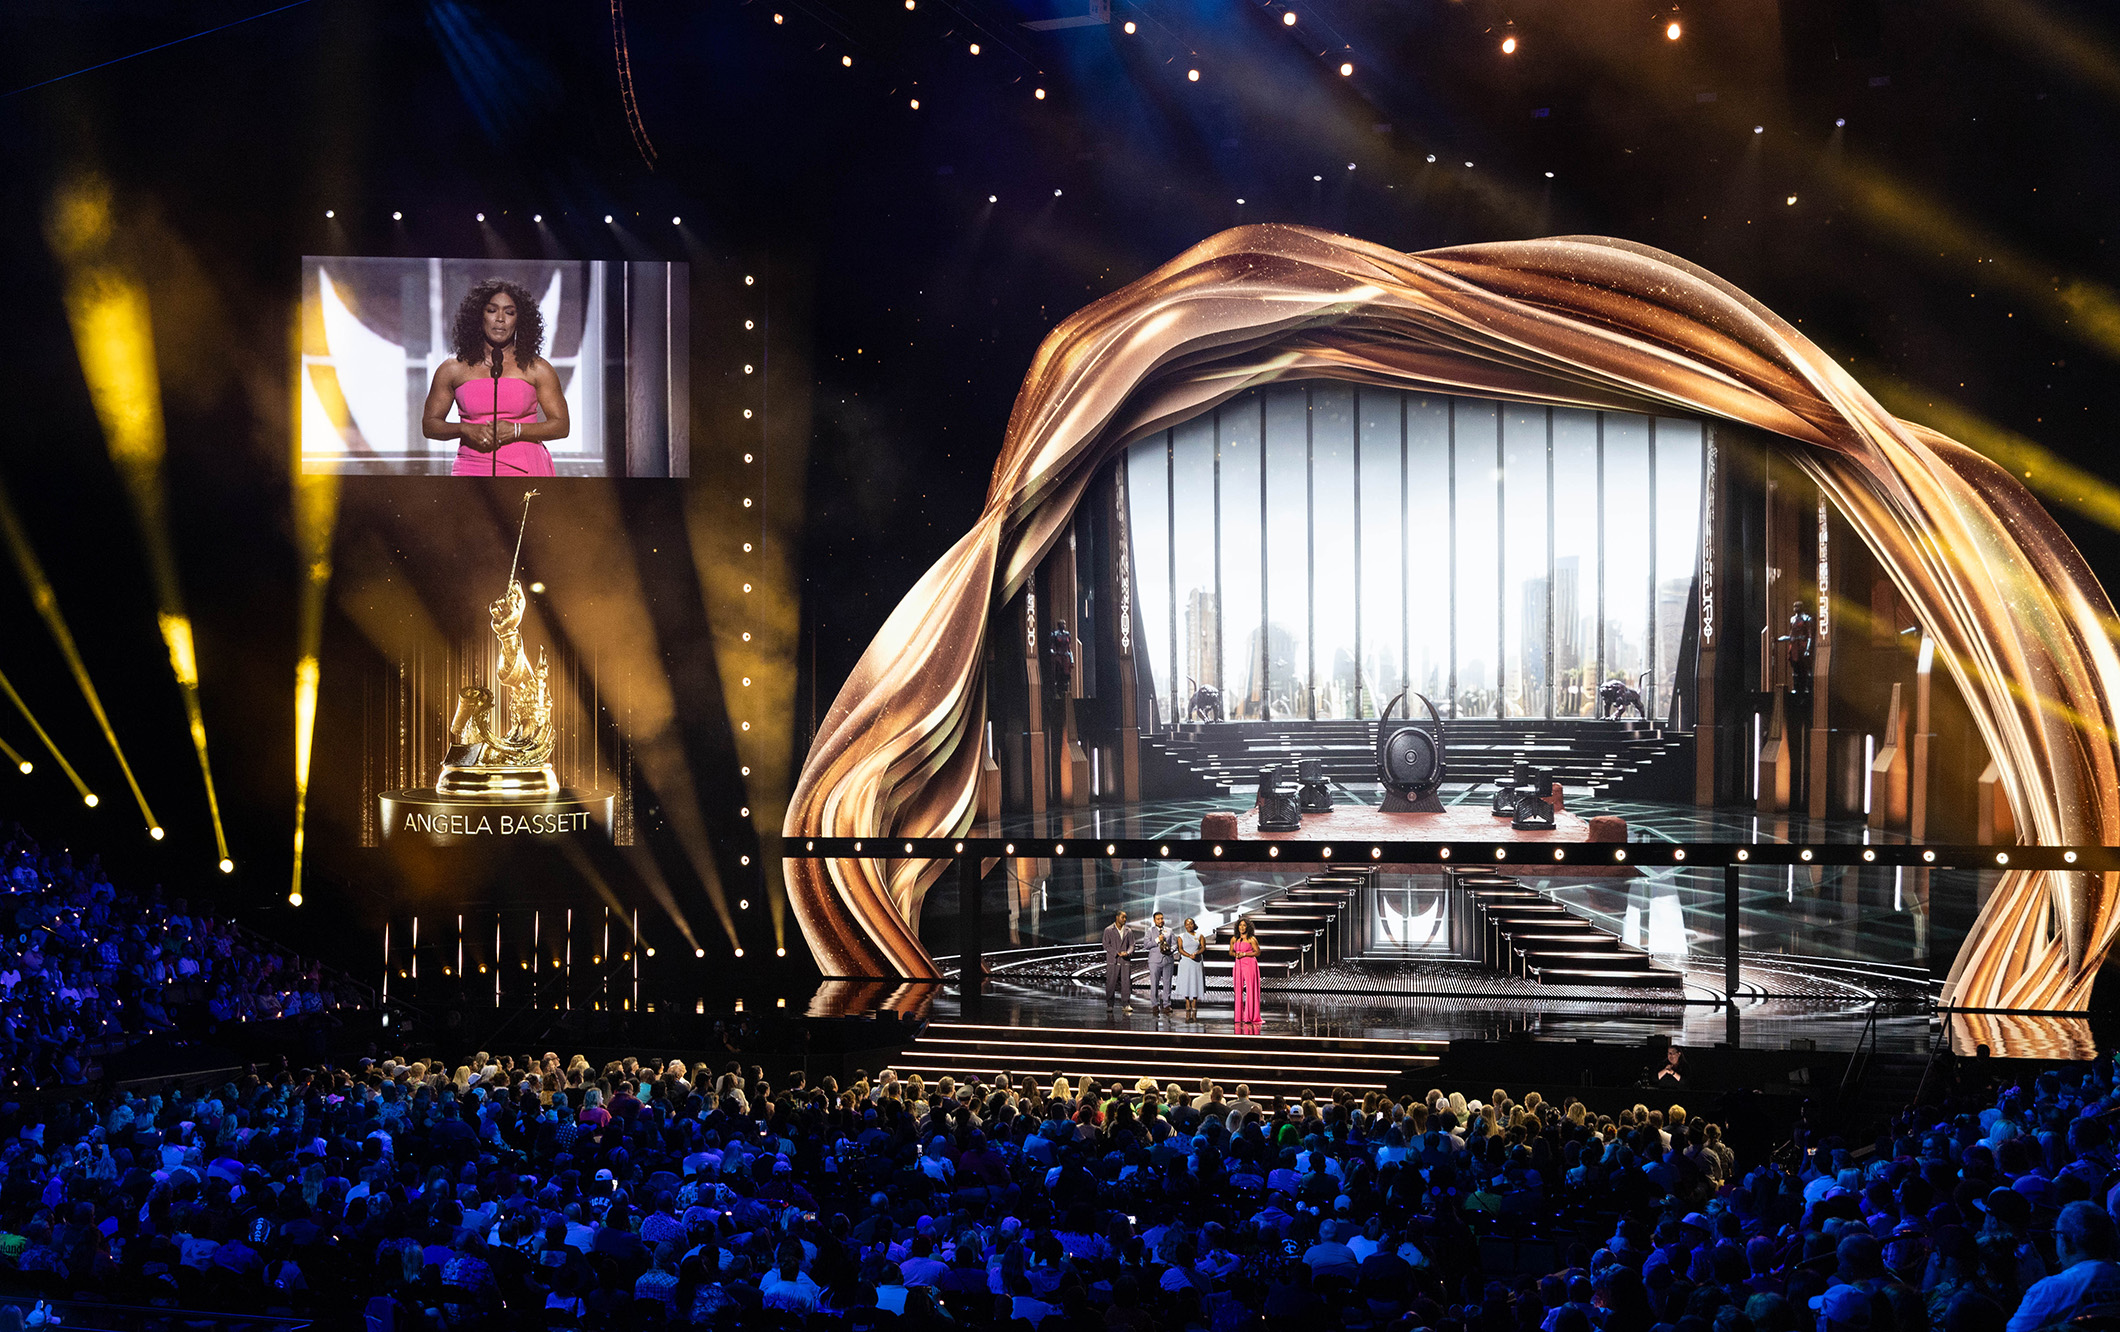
(507, 397)
(1244, 946)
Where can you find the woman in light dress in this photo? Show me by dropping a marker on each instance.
(1192, 973)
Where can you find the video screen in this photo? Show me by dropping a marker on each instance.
(495, 367)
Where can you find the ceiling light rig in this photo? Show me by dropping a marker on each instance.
(1289, 19)
(1673, 31)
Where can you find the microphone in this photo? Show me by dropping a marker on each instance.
(493, 355)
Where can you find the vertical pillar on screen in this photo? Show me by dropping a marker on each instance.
(1122, 547)
(1501, 564)
(1816, 753)
(1598, 677)
(1310, 558)
(647, 369)
(1034, 766)
(971, 943)
(1072, 768)
(1450, 454)
(1707, 679)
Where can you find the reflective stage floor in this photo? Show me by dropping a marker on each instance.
(1821, 948)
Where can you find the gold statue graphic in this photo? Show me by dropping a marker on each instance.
(514, 760)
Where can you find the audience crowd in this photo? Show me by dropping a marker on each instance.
(514, 1191)
(86, 968)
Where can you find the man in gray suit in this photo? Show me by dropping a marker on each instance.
(1119, 962)
(1162, 966)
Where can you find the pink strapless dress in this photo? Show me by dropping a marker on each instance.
(517, 401)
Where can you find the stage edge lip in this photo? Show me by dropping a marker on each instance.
(1525, 856)
(428, 818)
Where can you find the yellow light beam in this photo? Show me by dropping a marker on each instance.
(107, 306)
(14, 756)
(316, 517)
(47, 603)
(2044, 472)
(88, 797)
(2045, 36)
(2086, 310)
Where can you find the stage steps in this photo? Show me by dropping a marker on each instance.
(1629, 759)
(1510, 928)
(1306, 927)
(1270, 1064)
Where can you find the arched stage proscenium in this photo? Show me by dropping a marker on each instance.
(1582, 321)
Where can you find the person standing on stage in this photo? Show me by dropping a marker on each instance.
(1119, 962)
(1192, 970)
(1244, 947)
(1162, 964)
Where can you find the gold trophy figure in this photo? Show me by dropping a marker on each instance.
(515, 760)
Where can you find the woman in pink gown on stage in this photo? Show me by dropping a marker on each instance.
(507, 397)
(1245, 947)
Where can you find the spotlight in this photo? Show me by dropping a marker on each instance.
(1240, 201)
(847, 61)
(779, 18)
(1346, 68)
(331, 212)
(1431, 157)
(1790, 201)
(227, 866)
(607, 217)
(748, 279)
(1350, 166)
(747, 325)
(677, 221)
(1056, 194)
(155, 832)
(993, 198)
(1508, 46)
(739, 952)
(743, 904)
(1130, 29)
(1289, 19)
(908, 4)
(397, 217)
(781, 952)
(699, 952)
(1317, 178)
(916, 103)
(1549, 175)
(26, 766)
(538, 588)
(295, 899)
(1672, 32)
(1192, 76)
(1759, 129)
(1840, 122)
(1468, 166)
(537, 217)
(91, 800)
(1039, 94)
(479, 217)
(975, 48)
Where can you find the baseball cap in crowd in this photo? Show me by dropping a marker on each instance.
(1848, 1306)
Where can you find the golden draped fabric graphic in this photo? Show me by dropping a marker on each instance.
(1578, 321)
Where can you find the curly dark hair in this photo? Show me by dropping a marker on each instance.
(469, 333)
